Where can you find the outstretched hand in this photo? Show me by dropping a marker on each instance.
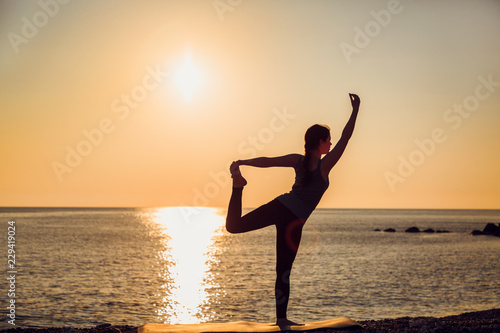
(354, 101)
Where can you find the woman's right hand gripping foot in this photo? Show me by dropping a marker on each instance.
(238, 180)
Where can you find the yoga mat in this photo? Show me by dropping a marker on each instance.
(245, 326)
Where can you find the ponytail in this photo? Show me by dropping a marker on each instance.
(312, 137)
(306, 175)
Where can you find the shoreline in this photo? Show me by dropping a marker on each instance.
(487, 321)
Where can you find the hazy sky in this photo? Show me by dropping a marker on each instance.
(146, 103)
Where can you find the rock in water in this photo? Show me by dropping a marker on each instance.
(491, 229)
(412, 229)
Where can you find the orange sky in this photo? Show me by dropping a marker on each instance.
(126, 103)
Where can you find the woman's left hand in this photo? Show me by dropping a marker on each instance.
(354, 100)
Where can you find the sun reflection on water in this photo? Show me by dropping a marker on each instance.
(190, 235)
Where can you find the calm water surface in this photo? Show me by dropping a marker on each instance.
(83, 267)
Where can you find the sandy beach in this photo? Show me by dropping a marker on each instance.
(482, 321)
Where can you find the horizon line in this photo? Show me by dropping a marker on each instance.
(218, 207)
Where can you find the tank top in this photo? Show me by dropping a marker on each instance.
(303, 199)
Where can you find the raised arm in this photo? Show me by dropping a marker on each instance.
(266, 162)
(334, 155)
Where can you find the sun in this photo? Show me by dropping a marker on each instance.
(187, 78)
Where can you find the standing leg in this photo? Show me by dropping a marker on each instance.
(287, 244)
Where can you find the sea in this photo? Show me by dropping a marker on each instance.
(82, 267)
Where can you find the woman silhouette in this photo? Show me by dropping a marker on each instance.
(289, 212)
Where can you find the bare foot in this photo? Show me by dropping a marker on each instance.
(238, 180)
(282, 322)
